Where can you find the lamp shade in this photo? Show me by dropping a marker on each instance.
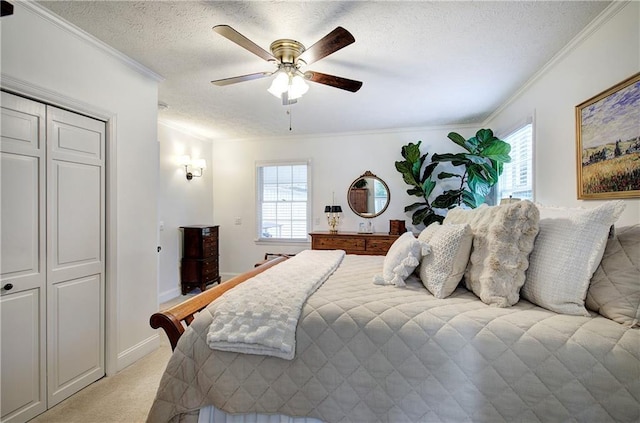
(336, 209)
(327, 209)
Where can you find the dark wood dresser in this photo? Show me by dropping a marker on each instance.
(353, 242)
(199, 265)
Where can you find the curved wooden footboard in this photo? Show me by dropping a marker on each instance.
(174, 320)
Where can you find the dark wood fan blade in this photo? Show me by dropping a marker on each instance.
(233, 35)
(334, 81)
(330, 43)
(235, 79)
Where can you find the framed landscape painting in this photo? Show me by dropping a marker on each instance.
(608, 142)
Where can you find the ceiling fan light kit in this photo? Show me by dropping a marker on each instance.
(289, 56)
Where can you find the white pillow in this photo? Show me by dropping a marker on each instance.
(502, 241)
(442, 270)
(401, 259)
(567, 252)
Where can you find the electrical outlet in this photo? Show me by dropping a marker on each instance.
(237, 221)
(161, 226)
(317, 221)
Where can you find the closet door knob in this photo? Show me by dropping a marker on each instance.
(8, 287)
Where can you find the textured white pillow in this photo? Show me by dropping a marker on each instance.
(401, 259)
(567, 252)
(502, 241)
(442, 270)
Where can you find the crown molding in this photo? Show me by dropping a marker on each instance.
(604, 16)
(49, 16)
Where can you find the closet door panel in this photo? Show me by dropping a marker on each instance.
(20, 254)
(76, 250)
(78, 353)
(76, 230)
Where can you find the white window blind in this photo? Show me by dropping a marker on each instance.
(517, 177)
(283, 201)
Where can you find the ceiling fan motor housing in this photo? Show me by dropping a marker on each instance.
(286, 50)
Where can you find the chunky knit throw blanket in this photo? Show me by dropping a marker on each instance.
(260, 315)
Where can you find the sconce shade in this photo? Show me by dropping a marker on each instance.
(199, 163)
(327, 209)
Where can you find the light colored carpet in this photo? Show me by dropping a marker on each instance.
(123, 398)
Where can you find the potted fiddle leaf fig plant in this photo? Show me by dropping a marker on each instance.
(477, 169)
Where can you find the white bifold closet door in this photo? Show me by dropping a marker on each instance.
(23, 272)
(52, 256)
(75, 252)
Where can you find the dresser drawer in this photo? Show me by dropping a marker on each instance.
(353, 242)
(378, 246)
(334, 243)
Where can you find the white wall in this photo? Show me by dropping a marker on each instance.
(47, 61)
(180, 202)
(336, 160)
(607, 52)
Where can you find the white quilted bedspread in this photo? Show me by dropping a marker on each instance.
(368, 353)
(260, 315)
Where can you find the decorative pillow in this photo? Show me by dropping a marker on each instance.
(567, 252)
(503, 238)
(442, 270)
(614, 291)
(401, 259)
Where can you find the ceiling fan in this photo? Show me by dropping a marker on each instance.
(290, 56)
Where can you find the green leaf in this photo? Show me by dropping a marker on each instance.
(428, 171)
(478, 184)
(432, 218)
(485, 135)
(458, 159)
(420, 215)
(472, 199)
(458, 139)
(446, 175)
(446, 199)
(411, 152)
(497, 150)
(427, 187)
(414, 206)
(417, 191)
(407, 174)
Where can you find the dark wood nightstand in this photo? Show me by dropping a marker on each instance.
(199, 265)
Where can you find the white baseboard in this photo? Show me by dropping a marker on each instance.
(135, 353)
(169, 294)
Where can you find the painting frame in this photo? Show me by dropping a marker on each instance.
(608, 167)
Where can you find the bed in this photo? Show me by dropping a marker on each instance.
(368, 352)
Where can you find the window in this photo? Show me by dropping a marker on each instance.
(283, 201)
(517, 177)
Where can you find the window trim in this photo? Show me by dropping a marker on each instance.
(259, 239)
(529, 120)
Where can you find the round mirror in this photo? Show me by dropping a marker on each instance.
(368, 196)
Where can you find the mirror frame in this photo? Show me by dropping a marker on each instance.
(370, 175)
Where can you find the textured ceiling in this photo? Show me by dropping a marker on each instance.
(422, 63)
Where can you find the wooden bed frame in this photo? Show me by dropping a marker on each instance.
(175, 320)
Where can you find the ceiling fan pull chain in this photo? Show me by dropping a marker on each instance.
(289, 113)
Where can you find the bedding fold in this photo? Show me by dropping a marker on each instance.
(260, 316)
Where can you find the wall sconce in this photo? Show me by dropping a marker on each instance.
(333, 217)
(193, 168)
